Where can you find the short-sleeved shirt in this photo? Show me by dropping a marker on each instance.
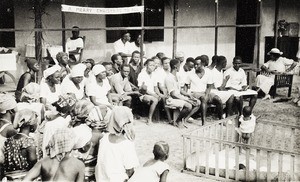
(73, 44)
(172, 84)
(150, 173)
(160, 76)
(46, 93)
(237, 78)
(136, 48)
(68, 86)
(182, 77)
(119, 46)
(114, 159)
(14, 160)
(98, 91)
(147, 79)
(119, 84)
(197, 84)
(247, 126)
(279, 64)
(217, 77)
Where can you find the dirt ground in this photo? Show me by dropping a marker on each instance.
(146, 135)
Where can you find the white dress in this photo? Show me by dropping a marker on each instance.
(114, 159)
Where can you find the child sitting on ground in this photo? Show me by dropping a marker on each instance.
(154, 170)
(247, 124)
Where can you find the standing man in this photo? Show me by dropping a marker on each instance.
(238, 82)
(123, 46)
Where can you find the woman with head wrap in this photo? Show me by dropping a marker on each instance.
(117, 157)
(74, 82)
(99, 90)
(63, 59)
(20, 150)
(59, 119)
(59, 165)
(50, 89)
(27, 77)
(7, 113)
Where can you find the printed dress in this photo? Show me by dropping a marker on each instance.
(14, 160)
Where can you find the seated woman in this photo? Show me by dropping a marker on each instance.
(117, 157)
(8, 108)
(50, 89)
(74, 82)
(98, 91)
(27, 77)
(20, 150)
(276, 65)
(63, 60)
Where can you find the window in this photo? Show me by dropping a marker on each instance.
(153, 16)
(7, 20)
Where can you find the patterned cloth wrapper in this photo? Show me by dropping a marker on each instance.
(121, 122)
(65, 103)
(61, 143)
(31, 91)
(7, 102)
(81, 111)
(25, 117)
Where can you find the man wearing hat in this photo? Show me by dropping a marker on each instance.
(275, 65)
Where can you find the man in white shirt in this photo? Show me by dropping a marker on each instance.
(238, 82)
(200, 83)
(219, 83)
(146, 84)
(75, 44)
(123, 46)
(178, 97)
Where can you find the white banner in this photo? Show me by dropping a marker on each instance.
(101, 11)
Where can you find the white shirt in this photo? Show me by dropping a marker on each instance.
(148, 80)
(72, 45)
(217, 77)
(119, 46)
(46, 93)
(98, 91)
(172, 84)
(197, 84)
(68, 86)
(159, 76)
(237, 78)
(114, 159)
(136, 48)
(247, 126)
(279, 64)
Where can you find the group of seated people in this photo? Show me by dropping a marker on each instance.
(75, 105)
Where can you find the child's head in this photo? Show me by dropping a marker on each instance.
(247, 111)
(161, 151)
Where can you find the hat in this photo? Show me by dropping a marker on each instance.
(179, 54)
(120, 121)
(31, 91)
(78, 70)
(7, 102)
(275, 51)
(51, 70)
(25, 117)
(98, 69)
(65, 103)
(61, 142)
(83, 134)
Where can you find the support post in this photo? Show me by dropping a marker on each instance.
(258, 21)
(142, 35)
(63, 26)
(216, 24)
(175, 15)
(38, 35)
(276, 20)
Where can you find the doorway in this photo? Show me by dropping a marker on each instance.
(245, 36)
(7, 20)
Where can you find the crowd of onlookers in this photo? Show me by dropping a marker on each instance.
(83, 111)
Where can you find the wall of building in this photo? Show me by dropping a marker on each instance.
(193, 42)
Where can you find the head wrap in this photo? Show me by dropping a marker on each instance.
(25, 117)
(61, 142)
(65, 103)
(98, 69)
(78, 70)
(51, 70)
(60, 55)
(31, 91)
(161, 148)
(121, 122)
(81, 112)
(83, 134)
(7, 102)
